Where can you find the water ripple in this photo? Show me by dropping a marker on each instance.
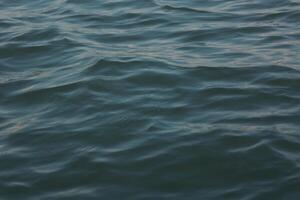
(149, 99)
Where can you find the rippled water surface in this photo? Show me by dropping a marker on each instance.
(150, 99)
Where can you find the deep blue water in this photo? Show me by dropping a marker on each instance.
(150, 99)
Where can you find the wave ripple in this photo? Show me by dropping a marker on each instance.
(149, 99)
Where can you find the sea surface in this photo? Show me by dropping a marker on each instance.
(150, 99)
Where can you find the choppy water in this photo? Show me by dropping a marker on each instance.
(150, 99)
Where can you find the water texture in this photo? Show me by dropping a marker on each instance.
(150, 99)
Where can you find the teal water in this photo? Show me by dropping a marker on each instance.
(150, 99)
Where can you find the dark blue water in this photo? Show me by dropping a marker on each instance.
(150, 99)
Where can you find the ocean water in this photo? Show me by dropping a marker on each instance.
(150, 99)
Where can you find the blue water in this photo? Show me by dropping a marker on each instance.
(150, 99)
